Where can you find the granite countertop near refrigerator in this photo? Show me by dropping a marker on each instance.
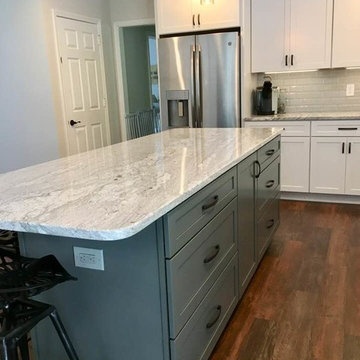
(306, 116)
(116, 191)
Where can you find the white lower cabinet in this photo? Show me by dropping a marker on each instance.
(352, 183)
(319, 156)
(328, 164)
(295, 163)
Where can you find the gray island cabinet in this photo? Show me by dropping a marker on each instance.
(168, 291)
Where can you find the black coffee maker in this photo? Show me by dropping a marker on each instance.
(266, 98)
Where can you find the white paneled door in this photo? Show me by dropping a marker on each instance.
(82, 84)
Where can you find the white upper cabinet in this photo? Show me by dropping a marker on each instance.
(346, 44)
(291, 34)
(310, 34)
(174, 16)
(217, 14)
(196, 15)
(270, 40)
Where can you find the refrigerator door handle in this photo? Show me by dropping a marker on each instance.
(193, 86)
(198, 87)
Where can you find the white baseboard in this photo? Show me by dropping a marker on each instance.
(340, 199)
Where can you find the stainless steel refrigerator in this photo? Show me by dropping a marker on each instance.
(200, 80)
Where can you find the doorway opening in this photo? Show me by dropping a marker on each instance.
(137, 69)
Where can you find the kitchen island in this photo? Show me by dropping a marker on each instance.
(183, 219)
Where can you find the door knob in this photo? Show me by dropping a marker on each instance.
(73, 122)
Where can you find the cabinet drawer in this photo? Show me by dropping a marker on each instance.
(187, 219)
(291, 128)
(335, 128)
(267, 184)
(199, 336)
(266, 226)
(194, 269)
(269, 152)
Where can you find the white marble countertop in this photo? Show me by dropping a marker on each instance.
(114, 192)
(306, 116)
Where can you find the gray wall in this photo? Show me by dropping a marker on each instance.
(27, 120)
(136, 66)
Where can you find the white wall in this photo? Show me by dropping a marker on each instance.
(27, 121)
(99, 9)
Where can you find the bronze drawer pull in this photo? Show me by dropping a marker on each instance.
(270, 224)
(257, 174)
(211, 204)
(270, 183)
(213, 322)
(349, 129)
(270, 152)
(212, 256)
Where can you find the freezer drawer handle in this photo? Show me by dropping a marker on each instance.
(213, 255)
(349, 129)
(213, 322)
(211, 204)
(270, 152)
(270, 224)
(270, 183)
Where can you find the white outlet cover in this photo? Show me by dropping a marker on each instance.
(89, 258)
(350, 89)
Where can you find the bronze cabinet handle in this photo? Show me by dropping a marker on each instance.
(212, 256)
(270, 224)
(193, 19)
(270, 183)
(211, 323)
(211, 204)
(257, 174)
(270, 152)
(199, 23)
(348, 129)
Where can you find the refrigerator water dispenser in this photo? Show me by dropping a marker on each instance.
(178, 108)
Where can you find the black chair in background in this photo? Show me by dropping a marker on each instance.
(20, 279)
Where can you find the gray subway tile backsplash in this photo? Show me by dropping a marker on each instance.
(319, 91)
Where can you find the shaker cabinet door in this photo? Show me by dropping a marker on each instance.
(174, 16)
(346, 44)
(352, 183)
(328, 162)
(310, 34)
(295, 164)
(270, 35)
(217, 14)
(246, 222)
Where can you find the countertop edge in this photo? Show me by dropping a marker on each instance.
(127, 232)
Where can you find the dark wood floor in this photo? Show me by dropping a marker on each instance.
(304, 300)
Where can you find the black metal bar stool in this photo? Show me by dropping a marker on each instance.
(20, 279)
(9, 240)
